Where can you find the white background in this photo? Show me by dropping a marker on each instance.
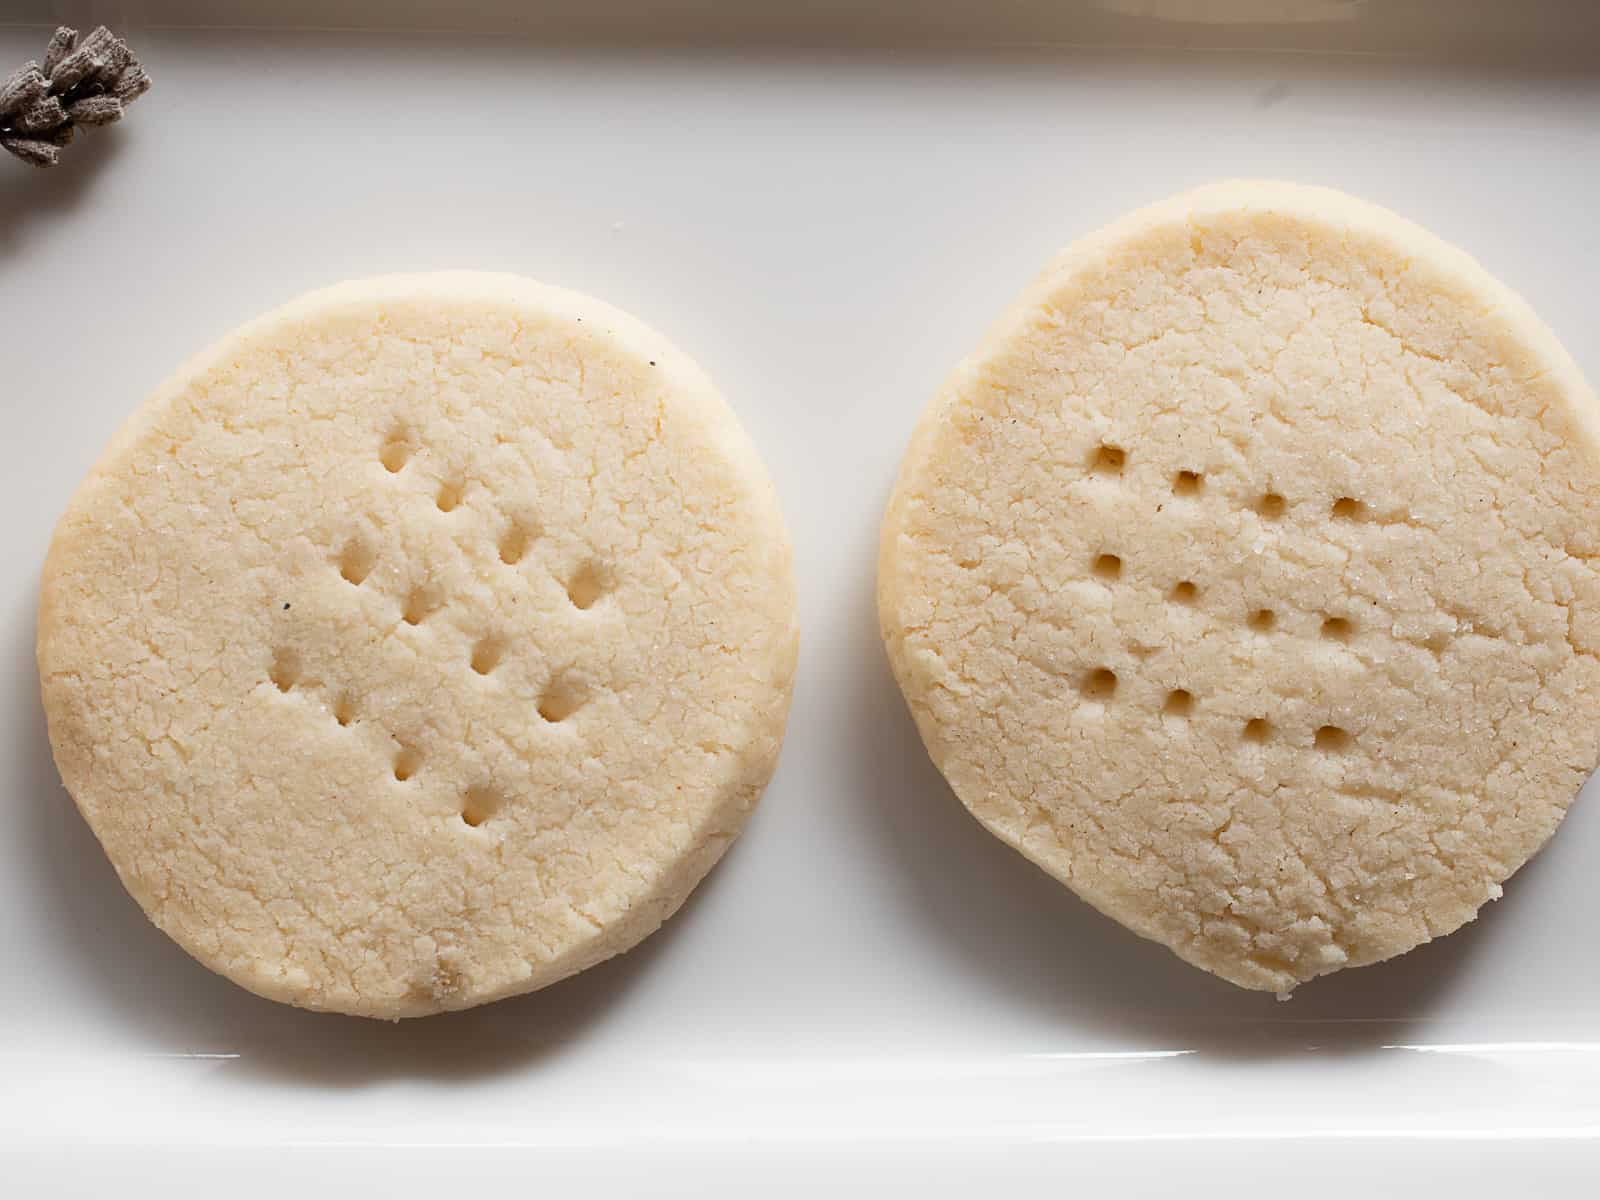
(869, 988)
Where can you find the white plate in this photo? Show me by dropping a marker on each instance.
(869, 983)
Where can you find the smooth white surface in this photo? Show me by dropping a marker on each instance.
(869, 988)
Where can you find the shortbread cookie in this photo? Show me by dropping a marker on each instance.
(422, 643)
(1245, 580)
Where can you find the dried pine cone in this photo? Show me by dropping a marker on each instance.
(81, 83)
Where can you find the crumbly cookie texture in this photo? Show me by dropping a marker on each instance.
(1245, 580)
(422, 643)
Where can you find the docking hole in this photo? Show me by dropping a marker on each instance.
(486, 655)
(1332, 739)
(1108, 460)
(285, 669)
(1099, 684)
(356, 561)
(586, 586)
(479, 804)
(562, 697)
(407, 763)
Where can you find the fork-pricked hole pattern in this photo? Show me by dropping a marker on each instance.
(356, 561)
(1108, 460)
(479, 804)
(588, 584)
(285, 669)
(487, 653)
(561, 699)
(1099, 685)
(397, 450)
(421, 602)
(517, 537)
(407, 762)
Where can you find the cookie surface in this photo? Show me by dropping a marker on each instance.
(422, 643)
(1245, 580)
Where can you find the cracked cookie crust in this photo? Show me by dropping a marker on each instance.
(421, 643)
(1247, 580)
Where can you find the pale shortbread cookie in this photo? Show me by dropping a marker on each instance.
(423, 642)
(1245, 580)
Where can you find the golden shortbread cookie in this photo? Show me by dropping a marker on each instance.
(421, 643)
(1245, 579)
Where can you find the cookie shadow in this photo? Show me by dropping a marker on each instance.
(295, 1048)
(127, 977)
(1037, 947)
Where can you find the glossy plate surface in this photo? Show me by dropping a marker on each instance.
(869, 988)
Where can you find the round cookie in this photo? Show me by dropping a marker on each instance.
(1245, 580)
(422, 643)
